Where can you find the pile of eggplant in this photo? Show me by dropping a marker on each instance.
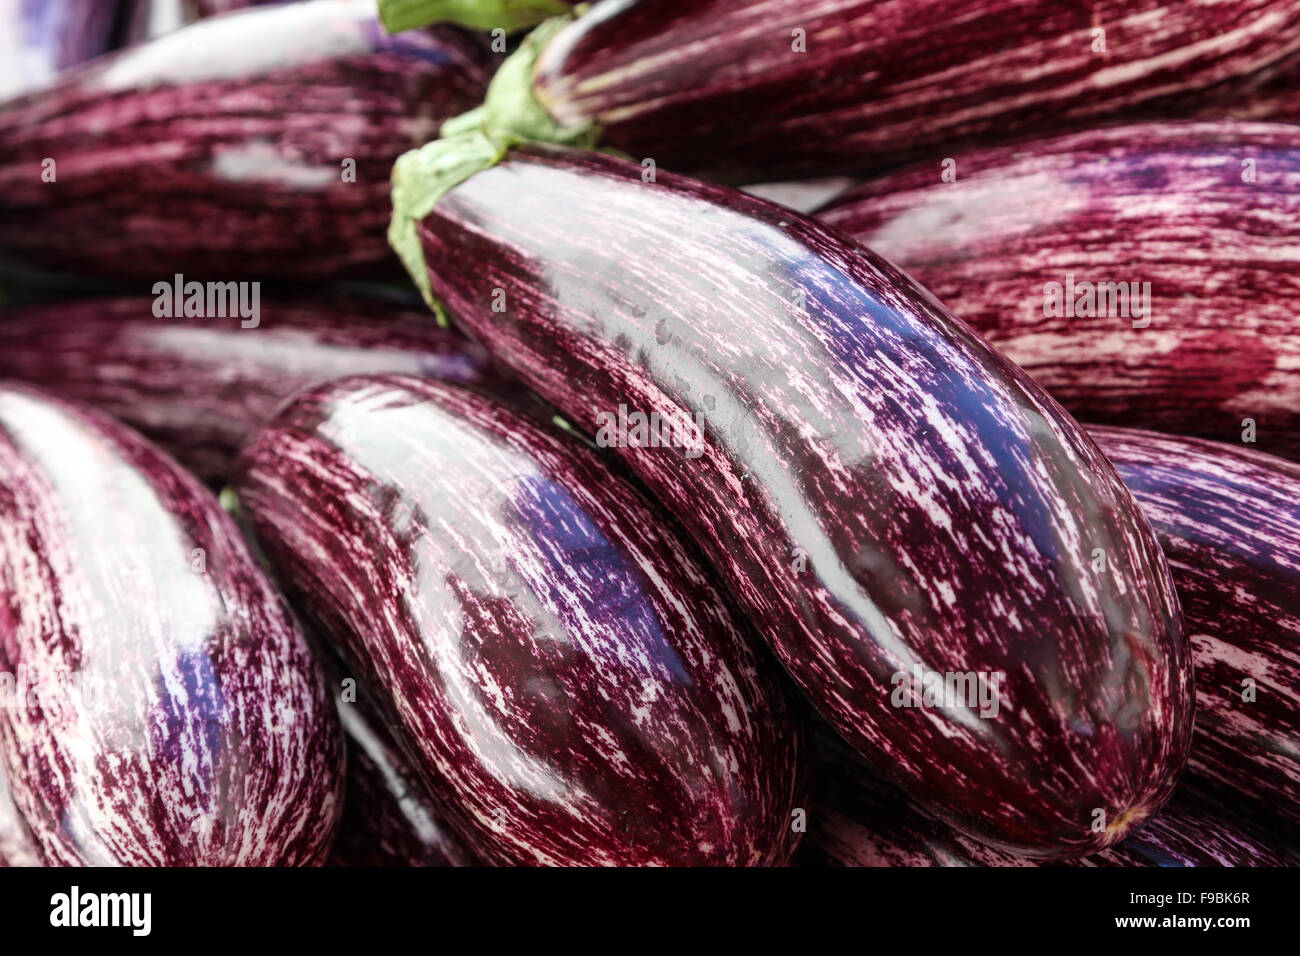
(421, 445)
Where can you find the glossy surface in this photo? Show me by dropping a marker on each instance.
(199, 386)
(247, 146)
(752, 88)
(1135, 204)
(1229, 521)
(573, 685)
(859, 820)
(878, 487)
(178, 716)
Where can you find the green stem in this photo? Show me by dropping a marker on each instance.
(510, 15)
(472, 142)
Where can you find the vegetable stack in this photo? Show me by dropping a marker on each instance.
(645, 521)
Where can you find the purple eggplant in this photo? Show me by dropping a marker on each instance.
(256, 144)
(1145, 275)
(38, 38)
(172, 712)
(1229, 522)
(859, 820)
(575, 689)
(1273, 97)
(389, 819)
(200, 386)
(16, 845)
(746, 89)
(889, 498)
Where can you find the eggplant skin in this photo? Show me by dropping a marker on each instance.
(179, 718)
(720, 88)
(879, 488)
(198, 387)
(1133, 204)
(573, 685)
(220, 150)
(1229, 522)
(388, 817)
(857, 819)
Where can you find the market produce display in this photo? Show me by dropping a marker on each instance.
(491, 433)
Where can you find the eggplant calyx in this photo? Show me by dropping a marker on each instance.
(511, 111)
(420, 178)
(508, 15)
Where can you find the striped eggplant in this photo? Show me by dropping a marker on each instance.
(1145, 275)
(573, 686)
(388, 817)
(1273, 97)
(256, 144)
(38, 38)
(172, 713)
(16, 845)
(750, 89)
(892, 501)
(200, 386)
(1229, 522)
(508, 15)
(859, 820)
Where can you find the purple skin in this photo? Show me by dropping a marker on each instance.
(575, 689)
(16, 846)
(1130, 204)
(38, 38)
(859, 820)
(715, 87)
(199, 387)
(1229, 522)
(878, 486)
(219, 150)
(178, 717)
(1275, 96)
(389, 819)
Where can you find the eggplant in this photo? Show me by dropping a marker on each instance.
(572, 685)
(256, 144)
(38, 38)
(1031, 239)
(200, 386)
(16, 846)
(881, 490)
(743, 90)
(859, 820)
(1273, 97)
(1229, 522)
(389, 819)
(172, 713)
